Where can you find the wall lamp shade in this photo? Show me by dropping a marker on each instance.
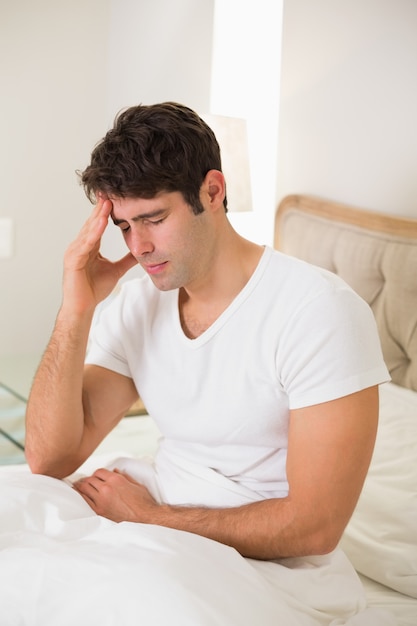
(232, 137)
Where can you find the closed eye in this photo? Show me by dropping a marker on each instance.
(155, 222)
(152, 219)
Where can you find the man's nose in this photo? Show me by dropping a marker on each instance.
(140, 243)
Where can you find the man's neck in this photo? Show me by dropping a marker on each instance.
(201, 305)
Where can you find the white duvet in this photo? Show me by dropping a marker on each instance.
(60, 565)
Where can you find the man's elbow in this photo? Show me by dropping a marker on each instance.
(323, 540)
(322, 545)
(44, 469)
(39, 464)
(33, 460)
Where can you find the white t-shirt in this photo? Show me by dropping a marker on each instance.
(296, 335)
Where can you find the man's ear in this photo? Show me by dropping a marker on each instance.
(214, 185)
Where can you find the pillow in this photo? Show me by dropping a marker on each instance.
(381, 537)
(12, 427)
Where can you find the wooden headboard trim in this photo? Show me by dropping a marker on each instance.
(338, 212)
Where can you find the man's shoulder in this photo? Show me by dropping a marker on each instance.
(299, 273)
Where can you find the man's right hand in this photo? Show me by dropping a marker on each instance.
(88, 276)
(68, 412)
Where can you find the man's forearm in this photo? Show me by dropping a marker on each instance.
(248, 529)
(55, 416)
(269, 529)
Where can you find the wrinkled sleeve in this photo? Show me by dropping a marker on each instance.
(330, 349)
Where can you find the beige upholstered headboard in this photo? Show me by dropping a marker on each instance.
(375, 254)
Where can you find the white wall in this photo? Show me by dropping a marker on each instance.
(160, 50)
(347, 114)
(245, 83)
(348, 104)
(66, 68)
(51, 113)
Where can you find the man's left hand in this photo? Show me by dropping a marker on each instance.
(117, 496)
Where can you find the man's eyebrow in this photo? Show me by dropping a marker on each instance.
(141, 216)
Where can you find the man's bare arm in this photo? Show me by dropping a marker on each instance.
(60, 427)
(330, 447)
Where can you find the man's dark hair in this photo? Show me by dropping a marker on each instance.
(150, 149)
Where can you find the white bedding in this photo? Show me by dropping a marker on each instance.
(59, 562)
(381, 538)
(402, 606)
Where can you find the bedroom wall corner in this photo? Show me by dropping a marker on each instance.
(348, 103)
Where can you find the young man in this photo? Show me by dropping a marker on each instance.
(261, 371)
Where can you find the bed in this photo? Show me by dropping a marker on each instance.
(377, 255)
(59, 563)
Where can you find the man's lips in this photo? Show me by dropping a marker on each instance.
(154, 268)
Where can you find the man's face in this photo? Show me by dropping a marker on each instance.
(170, 242)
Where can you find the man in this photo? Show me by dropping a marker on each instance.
(260, 370)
